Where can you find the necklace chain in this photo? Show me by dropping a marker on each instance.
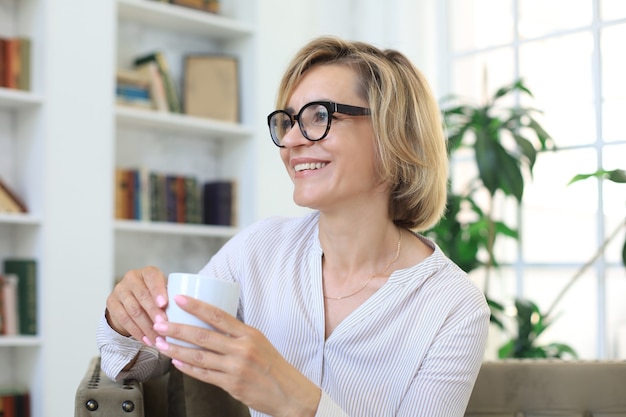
(391, 262)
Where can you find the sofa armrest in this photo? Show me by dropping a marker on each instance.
(97, 395)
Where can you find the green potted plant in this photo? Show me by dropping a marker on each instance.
(504, 142)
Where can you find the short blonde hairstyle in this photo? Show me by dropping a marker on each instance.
(410, 142)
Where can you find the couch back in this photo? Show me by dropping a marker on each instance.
(529, 388)
(509, 388)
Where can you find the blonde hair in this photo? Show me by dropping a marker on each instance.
(410, 143)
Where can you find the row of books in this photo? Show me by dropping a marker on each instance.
(154, 196)
(14, 403)
(15, 63)
(210, 87)
(212, 6)
(18, 297)
(10, 202)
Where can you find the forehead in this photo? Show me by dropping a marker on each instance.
(334, 82)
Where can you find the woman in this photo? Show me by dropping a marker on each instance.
(347, 310)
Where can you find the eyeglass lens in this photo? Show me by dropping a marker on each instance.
(313, 120)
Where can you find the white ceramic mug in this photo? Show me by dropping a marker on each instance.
(222, 294)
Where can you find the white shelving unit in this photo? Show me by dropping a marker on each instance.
(60, 144)
(176, 143)
(22, 139)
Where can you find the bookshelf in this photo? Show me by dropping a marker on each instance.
(61, 142)
(175, 143)
(22, 139)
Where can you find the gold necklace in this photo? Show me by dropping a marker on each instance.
(395, 258)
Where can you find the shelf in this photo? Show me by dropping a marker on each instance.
(19, 218)
(127, 116)
(16, 99)
(181, 19)
(19, 341)
(175, 229)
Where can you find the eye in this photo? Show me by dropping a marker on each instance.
(320, 117)
(285, 124)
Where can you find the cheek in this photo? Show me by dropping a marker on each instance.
(284, 156)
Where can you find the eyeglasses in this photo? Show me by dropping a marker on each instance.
(313, 119)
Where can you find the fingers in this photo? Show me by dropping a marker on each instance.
(211, 315)
(136, 302)
(219, 339)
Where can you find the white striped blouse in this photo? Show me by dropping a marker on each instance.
(413, 348)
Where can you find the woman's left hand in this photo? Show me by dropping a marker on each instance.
(239, 359)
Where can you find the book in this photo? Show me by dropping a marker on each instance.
(26, 271)
(9, 304)
(9, 56)
(212, 6)
(212, 87)
(25, 64)
(14, 402)
(122, 194)
(218, 203)
(9, 200)
(150, 71)
(193, 214)
(15, 63)
(171, 93)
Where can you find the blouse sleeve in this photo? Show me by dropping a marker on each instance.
(116, 351)
(444, 382)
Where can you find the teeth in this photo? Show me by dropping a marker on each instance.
(309, 165)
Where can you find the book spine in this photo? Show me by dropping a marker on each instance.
(170, 193)
(192, 203)
(121, 194)
(25, 64)
(218, 199)
(10, 313)
(26, 271)
(181, 209)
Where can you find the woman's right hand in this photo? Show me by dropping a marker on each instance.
(137, 302)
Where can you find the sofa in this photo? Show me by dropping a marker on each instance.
(508, 388)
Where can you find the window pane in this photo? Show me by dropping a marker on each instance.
(613, 112)
(616, 313)
(613, 62)
(476, 24)
(613, 82)
(478, 76)
(554, 215)
(562, 87)
(575, 315)
(612, 9)
(539, 17)
(614, 201)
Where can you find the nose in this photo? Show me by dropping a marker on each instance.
(294, 137)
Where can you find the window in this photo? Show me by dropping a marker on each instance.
(571, 55)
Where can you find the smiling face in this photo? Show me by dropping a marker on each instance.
(339, 171)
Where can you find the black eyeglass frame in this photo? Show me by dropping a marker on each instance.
(330, 106)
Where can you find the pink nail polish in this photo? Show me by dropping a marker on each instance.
(147, 341)
(160, 300)
(160, 326)
(161, 344)
(180, 300)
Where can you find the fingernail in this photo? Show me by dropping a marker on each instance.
(161, 344)
(180, 300)
(147, 341)
(160, 300)
(159, 319)
(160, 326)
(177, 363)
